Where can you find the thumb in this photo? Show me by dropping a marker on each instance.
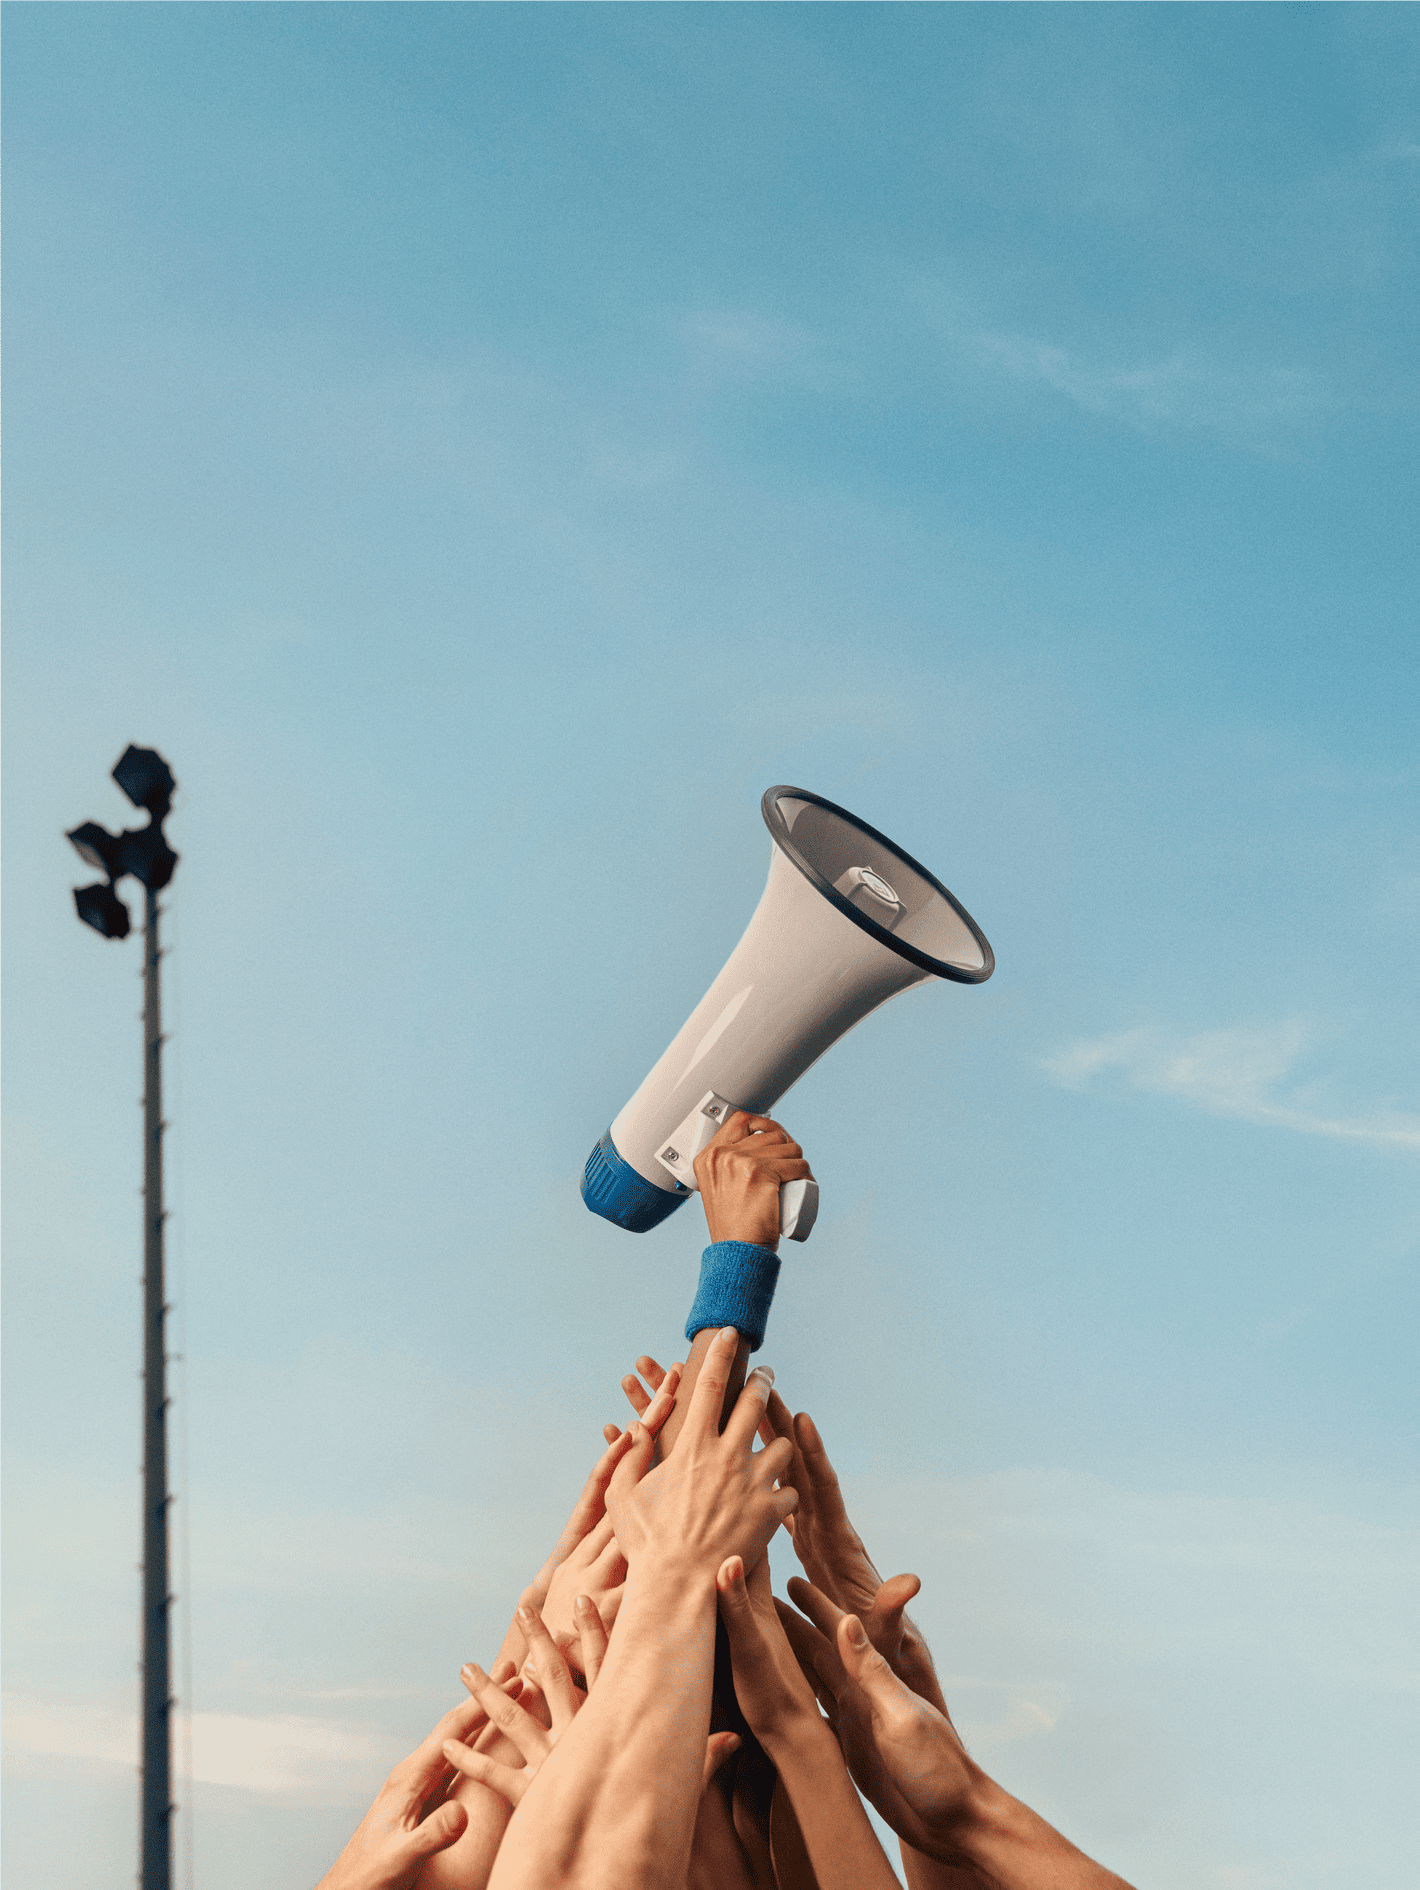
(718, 1747)
(886, 1613)
(634, 1464)
(735, 1610)
(862, 1662)
(438, 1831)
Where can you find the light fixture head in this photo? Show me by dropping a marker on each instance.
(146, 779)
(98, 847)
(101, 907)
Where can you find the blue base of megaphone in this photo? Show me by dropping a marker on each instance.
(612, 1188)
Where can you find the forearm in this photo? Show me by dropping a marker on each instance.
(841, 1844)
(929, 1873)
(615, 1804)
(1010, 1847)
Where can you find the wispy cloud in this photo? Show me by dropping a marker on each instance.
(284, 1754)
(1183, 390)
(1246, 1071)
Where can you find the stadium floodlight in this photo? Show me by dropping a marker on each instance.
(146, 779)
(101, 907)
(144, 854)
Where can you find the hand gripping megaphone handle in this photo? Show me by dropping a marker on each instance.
(798, 1200)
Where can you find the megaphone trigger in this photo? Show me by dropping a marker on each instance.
(798, 1209)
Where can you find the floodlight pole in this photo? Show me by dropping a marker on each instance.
(155, 1855)
(143, 853)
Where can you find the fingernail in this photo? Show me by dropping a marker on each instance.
(856, 1632)
(728, 1332)
(766, 1372)
(525, 1615)
(582, 1603)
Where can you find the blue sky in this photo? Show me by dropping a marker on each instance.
(483, 448)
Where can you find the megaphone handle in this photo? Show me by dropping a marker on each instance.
(798, 1209)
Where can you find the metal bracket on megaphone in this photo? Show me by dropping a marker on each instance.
(798, 1200)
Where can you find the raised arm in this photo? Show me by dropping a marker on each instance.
(585, 1560)
(615, 1803)
(411, 1819)
(911, 1764)
(783, 1714)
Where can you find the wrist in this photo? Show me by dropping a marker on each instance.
(737, 1280)
(995, 1833)
(798, 1738)
(674, 1585)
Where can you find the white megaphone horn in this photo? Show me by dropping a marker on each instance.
(846, 921)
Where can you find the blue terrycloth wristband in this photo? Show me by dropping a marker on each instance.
(736, 1289)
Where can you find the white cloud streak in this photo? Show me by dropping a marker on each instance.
(1245, 1071)
(1183, 390)
(280, 1754)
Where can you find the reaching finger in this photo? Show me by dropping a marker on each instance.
(503, 1779)
(592, 1547)
(650, 1371)
(813, 1454)
(816, 1654)
(588, 1511)
(702, 1418)
(594, 1638)
(526, 1734)
(775, 1462)
(816, 1605)
(551, 1670)
(661, 1406)
(777, 1421)
(611, 1432)
(637, 1395)
(718, 1747)
(426, 1764)
(749, 1408)
(634, 1462)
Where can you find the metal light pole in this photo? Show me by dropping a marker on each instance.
(148, 782)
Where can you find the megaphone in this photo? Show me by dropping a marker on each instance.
(846, 921)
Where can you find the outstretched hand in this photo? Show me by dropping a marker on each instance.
(395, 1838)
(714, 1496)
(836, 1560)
(548, 1682)
(587, 1559)
(905, 1756)
(547, 1679)
(771, 1689)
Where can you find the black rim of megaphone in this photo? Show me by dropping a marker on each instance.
(783, 839)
